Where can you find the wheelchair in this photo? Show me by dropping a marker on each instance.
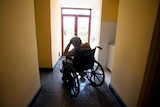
(83, 64)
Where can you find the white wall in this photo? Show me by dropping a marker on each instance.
(96, 26)
(108, 29)
(108, 34)
(135, 25)
(19, 74)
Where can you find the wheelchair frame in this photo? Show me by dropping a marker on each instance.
(93, 71)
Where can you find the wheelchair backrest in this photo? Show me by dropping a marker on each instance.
(83, 59)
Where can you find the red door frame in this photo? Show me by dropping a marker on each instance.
(76, 23)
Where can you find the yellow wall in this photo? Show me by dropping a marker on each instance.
(55, 11)
(110, 10)
(19, 74)
(42, 15)
(136, 19)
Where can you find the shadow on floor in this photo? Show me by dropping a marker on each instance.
(54, 93)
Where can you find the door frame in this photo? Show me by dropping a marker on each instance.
(76, 19)
(150, 91)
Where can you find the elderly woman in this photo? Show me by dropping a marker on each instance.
(76, 42)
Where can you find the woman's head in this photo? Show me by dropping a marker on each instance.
(76, 41)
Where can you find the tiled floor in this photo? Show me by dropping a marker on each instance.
(54, 94)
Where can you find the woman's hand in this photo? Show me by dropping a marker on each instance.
(68, 46)
(71, 42)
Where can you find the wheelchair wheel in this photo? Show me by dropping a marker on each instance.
(71, 80)
(96, 75)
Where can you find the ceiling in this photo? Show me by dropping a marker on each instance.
(77, 3)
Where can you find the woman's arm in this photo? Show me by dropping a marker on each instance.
(67, 48)
(68, 53)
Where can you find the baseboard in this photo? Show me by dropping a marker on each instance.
(45, 69)
(60, 58)
(35, 97)
(50, 69)
(117, 96)
(108, 69)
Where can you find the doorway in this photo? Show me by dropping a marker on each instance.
(75, 22)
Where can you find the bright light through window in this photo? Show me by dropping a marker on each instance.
(76, 11)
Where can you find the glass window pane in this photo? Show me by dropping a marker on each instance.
(83, 24)
(69, 24)
(76, 11)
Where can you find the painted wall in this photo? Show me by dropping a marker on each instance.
(110, 10)
(19, 74)
(136, 20)
(55, 31)
(96, 26)
(42, 15)
(108, 28)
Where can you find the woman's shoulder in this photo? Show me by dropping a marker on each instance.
(85, 46)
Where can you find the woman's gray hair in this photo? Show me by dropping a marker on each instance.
(76, 41)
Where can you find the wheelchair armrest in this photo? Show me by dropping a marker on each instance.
(69, 58)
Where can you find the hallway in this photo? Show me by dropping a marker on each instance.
(54, 94)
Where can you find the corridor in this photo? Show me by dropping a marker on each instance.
(54, 93)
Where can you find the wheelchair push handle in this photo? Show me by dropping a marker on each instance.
(98, 47)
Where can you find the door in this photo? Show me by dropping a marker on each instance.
(75, 22)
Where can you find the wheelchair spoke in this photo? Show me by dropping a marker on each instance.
(74, 88)
(97, 78)
(95, 67)
(91, 75)
(96, 75)
(94, 78)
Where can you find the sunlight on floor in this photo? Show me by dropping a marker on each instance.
(107, 76)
